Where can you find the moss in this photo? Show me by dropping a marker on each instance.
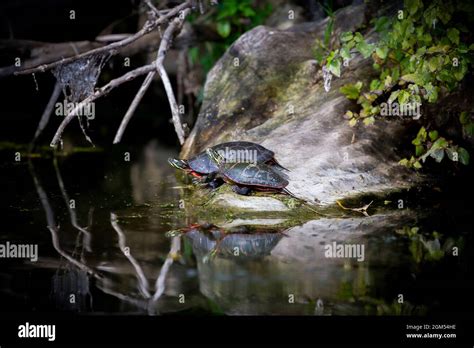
(199, 205)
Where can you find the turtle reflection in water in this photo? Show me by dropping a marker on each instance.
(244, 241)
(204, 169)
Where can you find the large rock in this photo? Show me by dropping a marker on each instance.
(268, 88)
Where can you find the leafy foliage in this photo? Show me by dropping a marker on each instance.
(231, 18)
(420, 54)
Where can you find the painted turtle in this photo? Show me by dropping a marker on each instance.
(205, 169)
(245, 177)
(250, 241)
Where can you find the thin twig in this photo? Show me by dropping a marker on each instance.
(133, 106)
(160, 281)
(113, 47)
(362, 210)
(72, 211)
(142, 281)
(165, 43)
(47, 111)
(153, 8)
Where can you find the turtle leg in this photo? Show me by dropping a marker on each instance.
(215, 183)
(241, 190)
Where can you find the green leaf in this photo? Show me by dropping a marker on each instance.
(415, 78)
(227, 9)
(248, 12)
(348, 115)
(417, 165)
(381, 24)
(463, 117)
(351, 91)
(330, 57)
(223, 29)
(463, 156)
(419, 149)
(346, 36)
(335, 67)
(374, 85)
(353, 122)
(358, 37)
(440, 143)
(364, 48)
(438, 49)
(345, 53)
(434, 64)
(420, 137)
(404, 162)
(431, 92)
(395, 74)
(393, 96)
(369, 120)
(412, 6)
(382, 52)
(433, 135)
(469, 129)
(453, 35)
(403, 96)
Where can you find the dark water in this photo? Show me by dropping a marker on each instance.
(110, 250)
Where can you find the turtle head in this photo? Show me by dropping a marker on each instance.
(178, 163)
(215, 156)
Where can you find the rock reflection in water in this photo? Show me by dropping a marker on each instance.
(275, 271)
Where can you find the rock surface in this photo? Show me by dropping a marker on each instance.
(268, 88)
(250, 203)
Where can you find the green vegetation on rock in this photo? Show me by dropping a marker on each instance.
(420, 55)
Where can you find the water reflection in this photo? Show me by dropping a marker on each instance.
(131, 249)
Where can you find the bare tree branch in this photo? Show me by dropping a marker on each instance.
(113, 47)
(133, 106)
(177, 23)
(165, 43)
(47, 111)
(104, 90)
(152, 7)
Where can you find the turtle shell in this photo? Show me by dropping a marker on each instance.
(234, 151)
(249, 245)
(248, 174)
(203, 164)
